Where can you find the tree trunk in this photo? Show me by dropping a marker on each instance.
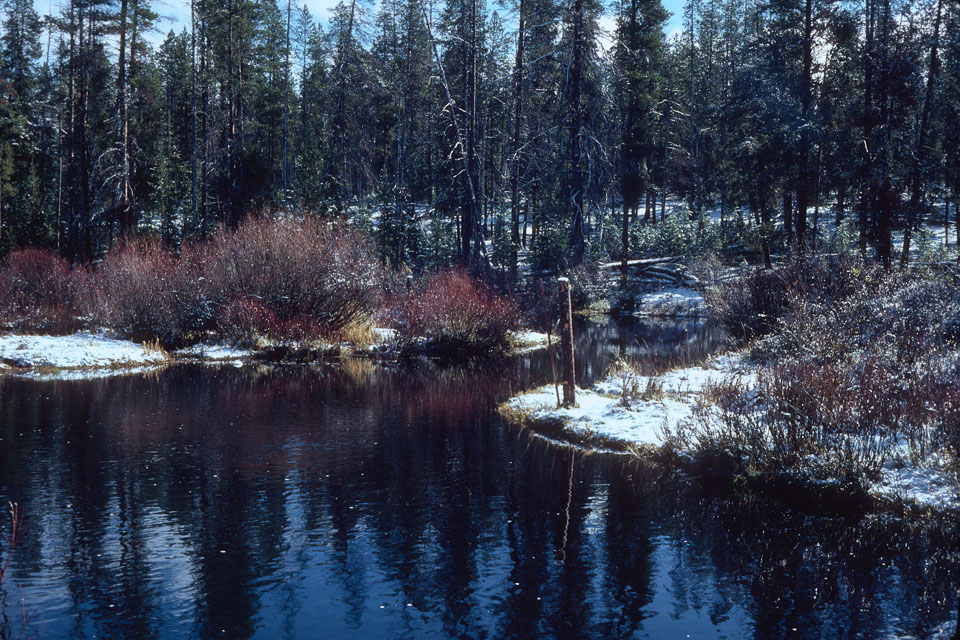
(193, 118)
(693, 127)
(576, 186)
(946, 221)
(517, 116)
(787, 211)
(337, 121)
(886, 195)
(841, 195)
(760, 207)
(286, 106)
(867, 169)
(803, 190)
(919, 155)
(666, 150)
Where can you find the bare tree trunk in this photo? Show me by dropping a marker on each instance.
(204, 123)
(286, 103)
(841, 195)
(575, 191)
(517, 115)
(193, 117)
(458, 131)
(400, 187)
(693, 126)
(919, 155)
(472, 211)
(885, 194)
(816, 199)
(946, 221)
(336, 130)
(867, 169)
(803, 191)
(668, 115)
(787, 211)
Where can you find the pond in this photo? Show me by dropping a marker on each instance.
(356, 500)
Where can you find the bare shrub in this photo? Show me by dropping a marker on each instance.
(309, 271)
(749, 307)
(452, 312)
(752, 306)
(634, 386)
(863, 362)
(143, 291)
(39, 292)
(245, 319)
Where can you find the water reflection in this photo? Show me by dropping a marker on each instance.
(360, 501)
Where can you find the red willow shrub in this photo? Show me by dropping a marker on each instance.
(246, 317)
(452, 312)
(283, 279)
(309, 271)
(39, 292)
(143, 290)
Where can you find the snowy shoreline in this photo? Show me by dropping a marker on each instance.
(91, 355)
(660, 406)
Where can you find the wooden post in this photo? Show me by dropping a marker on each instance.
(566, 345)
(553, 361)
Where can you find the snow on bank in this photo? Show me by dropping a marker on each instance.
(602, 412)
(216, 353)
(672, 301)
(525, 341)
(670, 400)
(927, 485)
(78, 351)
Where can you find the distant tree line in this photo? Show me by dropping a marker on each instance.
(467, 132)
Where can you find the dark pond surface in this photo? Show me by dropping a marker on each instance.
(360, 501)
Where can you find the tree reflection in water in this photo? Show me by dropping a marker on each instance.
(363, 501)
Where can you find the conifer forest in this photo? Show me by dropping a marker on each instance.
(466, 131)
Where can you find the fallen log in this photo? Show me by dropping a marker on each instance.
(639, 262)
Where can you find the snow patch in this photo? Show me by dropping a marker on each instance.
(924, 483)
(216, 352)
(525, 341)
(602, 412)
(384, 334)
(673, 301)
(81, 350)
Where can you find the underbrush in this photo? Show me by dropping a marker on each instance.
(451, 313)
(278, 280)
(39, 292)
(861, 373)
(752, 306)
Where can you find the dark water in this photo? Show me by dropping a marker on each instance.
(356, 501)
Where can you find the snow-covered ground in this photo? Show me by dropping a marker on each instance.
(928, 485)
(602, 412)
(525, 341)
(87, 355)
(661, 404)
(216, 353)
(673, 302)
(79, 351)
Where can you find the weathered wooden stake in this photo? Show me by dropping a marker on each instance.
(566, 345)
(553, 360)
